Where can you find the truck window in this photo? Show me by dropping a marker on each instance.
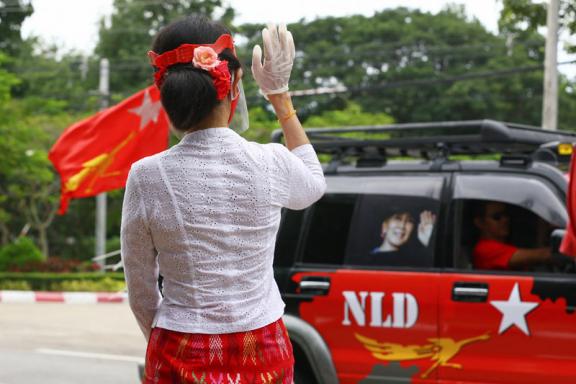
(395, 221)
(288, 237)
(531, 211)
(393, 231)
(328, 225)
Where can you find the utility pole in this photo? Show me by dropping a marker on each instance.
(550, 102)
(101, 198)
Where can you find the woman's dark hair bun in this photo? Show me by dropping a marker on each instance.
(188, 93)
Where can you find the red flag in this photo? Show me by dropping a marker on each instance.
(95, 154)
(568, 246)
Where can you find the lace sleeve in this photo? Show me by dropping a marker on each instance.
(302, 175)
(139, 257)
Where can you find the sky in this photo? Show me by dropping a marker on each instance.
(80, 29)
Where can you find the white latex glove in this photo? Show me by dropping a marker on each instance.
(426, 226)
(273, 74)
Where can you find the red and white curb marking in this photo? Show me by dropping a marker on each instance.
(63, 297)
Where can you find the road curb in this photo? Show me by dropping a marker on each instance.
(31, 297)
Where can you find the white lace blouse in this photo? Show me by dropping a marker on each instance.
(204, 214)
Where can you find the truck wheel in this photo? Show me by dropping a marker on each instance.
(302, 376)
(303, 373)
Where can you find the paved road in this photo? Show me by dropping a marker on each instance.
(69, 343)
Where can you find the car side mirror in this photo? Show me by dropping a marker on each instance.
(556, 239)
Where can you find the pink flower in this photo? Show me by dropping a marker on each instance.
(205, 58)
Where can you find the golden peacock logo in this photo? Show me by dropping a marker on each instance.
(439, 350)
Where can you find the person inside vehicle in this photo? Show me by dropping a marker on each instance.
(396, 231)
(398, 227)
(492, 250)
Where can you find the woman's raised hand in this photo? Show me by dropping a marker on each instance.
(273, 73)
(426, 226)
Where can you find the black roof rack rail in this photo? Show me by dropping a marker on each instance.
(432, 139)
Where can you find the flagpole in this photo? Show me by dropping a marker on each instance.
(101, 198)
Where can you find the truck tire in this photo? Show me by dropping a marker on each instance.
(303, 373)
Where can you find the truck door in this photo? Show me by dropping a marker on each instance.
(505, 326)
(365, 279)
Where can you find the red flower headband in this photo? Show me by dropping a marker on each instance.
(203, 56)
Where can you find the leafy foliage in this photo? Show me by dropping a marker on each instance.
(352, 115)
(15, 285)
(12, 15)
(520, 17)
(263, 122)
(19, 253)
(127, 37)
(55, 264)
(7, 81)
(42, 281)
(104, 285)
(399, 65)
(415, 66)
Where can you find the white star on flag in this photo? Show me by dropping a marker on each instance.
(148, 111)
(514, 311)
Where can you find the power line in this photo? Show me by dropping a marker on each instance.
(343, 89)
(128, 63)
(455, 52)
(420, 82)
(413, 47)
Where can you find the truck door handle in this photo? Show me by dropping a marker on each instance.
(315, 285)
(470, 292)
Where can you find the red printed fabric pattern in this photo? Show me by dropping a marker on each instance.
(261, 356)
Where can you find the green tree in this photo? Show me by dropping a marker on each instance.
(519, 17)
(262, 123)
(12, 15)
(351, 115)
(19, 253)
(56, 81)
(414, 66)
(7, 81)
(398, 65)
(45, 71)
(30, 188)
(127, 37)
(567, 105)
(54, 90)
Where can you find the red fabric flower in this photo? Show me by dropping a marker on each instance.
(205, 58)
(200, 56)
(221, 77)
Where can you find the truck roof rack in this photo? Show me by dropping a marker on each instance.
(440, 139)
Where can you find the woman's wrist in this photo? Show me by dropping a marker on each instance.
(282, 104)
(293, 132)
(283, 107)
